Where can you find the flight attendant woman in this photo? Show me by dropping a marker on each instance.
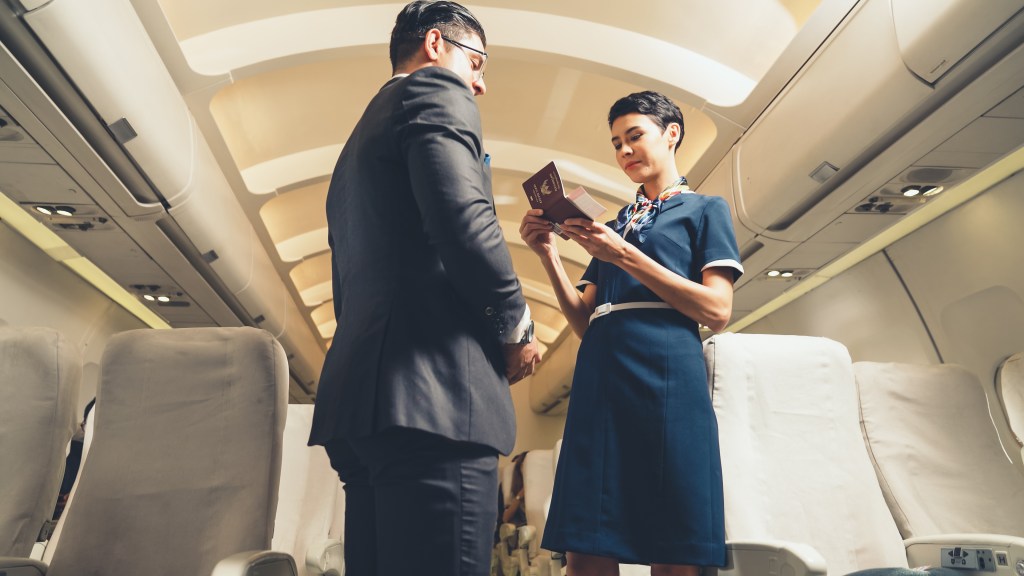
(639, 478)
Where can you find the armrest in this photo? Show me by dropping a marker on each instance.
(21, 567)
(772, 557)
(325, 558)
(256, 562)
(1006, 552)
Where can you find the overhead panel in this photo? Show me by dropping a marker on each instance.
(934, 35)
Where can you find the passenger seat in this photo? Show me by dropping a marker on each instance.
(936, 451)
(40, 373)
(308, 501)
(801, 495)
(1010, 389)
(182, 473)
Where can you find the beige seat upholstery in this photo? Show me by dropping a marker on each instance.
(936, 451)
(40, 373)
(1010, 388)
(308, 503)
(184, 464)
(801, 494)
(794, 464)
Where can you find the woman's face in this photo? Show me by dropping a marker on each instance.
(642, 148)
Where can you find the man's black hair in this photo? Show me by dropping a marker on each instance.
(418, 18)
(655, 106)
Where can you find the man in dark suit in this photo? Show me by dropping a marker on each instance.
(413, 405)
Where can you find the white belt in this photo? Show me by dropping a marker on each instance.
(608, 308)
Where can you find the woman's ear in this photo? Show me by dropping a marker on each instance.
(673, 131)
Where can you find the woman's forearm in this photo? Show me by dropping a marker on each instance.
(575, 309)
(710, 305)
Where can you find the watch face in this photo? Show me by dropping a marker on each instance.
(528, 335)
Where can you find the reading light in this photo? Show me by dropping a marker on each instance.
(787, 274)
(163, 299)
(64, 210)
(44, 210)
(149, 297)
(931, 190)
(774, 273)
(911, 191)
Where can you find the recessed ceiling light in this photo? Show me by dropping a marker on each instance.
(149, 297)
(163, 298)
(787, 274)
(931, 190)
(64, 210)
(911, 191)
(773, 273)
(44, 210)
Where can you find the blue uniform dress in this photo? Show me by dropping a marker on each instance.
(639, 477)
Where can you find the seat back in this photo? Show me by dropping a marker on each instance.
(184, 463)
(936, 451)
(538, 482)
(307, 498)
(40, 373)
(794, 463)
(1010, 389)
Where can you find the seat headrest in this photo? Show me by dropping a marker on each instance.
(40, 373)
(1010, 387)
(930, 434)
(794, 463)
(185, 460)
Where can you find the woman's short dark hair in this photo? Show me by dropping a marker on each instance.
(655, 106)
(418, 18)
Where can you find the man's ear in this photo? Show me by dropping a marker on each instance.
(432, 44)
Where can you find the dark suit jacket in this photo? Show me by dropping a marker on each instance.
(424, 290)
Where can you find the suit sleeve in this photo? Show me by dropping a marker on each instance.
(439, 135)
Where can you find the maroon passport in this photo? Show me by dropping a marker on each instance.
(546, 191)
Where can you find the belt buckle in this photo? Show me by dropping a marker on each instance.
(603, 309)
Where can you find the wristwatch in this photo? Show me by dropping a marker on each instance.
(528, 335)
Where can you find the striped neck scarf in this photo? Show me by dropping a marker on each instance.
(639, 216)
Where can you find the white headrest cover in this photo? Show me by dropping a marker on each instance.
(936, 451)
(793, 460)
(1010, 386)
(185, 461)
(538, 482)
(40, 374)
(308, 492)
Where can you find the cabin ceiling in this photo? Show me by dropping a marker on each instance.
(769, 89)
(276, 87)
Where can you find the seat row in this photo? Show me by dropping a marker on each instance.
(191, 459)
(832, 467)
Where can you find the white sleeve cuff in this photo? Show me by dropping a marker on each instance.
(516, 335)
(723, 264)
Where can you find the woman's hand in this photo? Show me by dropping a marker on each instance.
(536, 232)
(598, 240)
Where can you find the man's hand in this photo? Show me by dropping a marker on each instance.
(520, 360)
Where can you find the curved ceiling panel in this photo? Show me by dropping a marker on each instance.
(297, 222)
(323, 317)
(698, 73)
(312, 278)
(287, 126)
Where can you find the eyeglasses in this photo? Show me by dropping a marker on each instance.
(477, 65)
